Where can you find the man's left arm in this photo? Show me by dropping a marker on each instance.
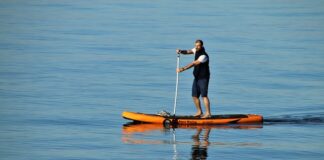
(201, 59)
(192, 64)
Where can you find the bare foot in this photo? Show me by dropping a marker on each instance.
(198, 114)
(206, 116)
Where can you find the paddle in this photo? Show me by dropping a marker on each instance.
(176, 90)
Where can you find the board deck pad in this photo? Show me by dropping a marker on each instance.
(197, 117)
(183, 119)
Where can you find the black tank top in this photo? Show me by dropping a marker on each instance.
(202, 70)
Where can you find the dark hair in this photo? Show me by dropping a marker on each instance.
(200, 41)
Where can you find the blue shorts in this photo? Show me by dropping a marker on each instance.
(200, 87)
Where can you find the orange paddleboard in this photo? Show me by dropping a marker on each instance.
(191, 120)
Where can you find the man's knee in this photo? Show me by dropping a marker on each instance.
(195, 98)
(205, 97)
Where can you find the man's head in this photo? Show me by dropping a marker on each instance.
(199, 44)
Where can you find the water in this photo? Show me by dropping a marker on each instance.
(69, 69)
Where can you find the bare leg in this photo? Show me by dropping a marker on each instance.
(207, 105)
(206, 138)
(197, 104)
(196, 136)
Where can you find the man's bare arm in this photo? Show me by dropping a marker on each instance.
(194, 63)
(184, 51)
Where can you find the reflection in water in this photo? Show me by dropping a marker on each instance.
(131, 128)
(199, 147)
(200, 140)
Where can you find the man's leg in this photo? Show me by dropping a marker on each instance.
(195, 98)
(203, 86)
(207, 106)
(198, 106)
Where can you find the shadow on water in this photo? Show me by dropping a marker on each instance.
(199, 140)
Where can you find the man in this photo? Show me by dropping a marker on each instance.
(202, 74)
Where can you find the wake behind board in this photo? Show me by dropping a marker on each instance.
(191, 120)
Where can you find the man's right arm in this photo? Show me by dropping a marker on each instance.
(184, 51)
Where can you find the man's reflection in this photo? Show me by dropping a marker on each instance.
(200, 144)
(200, 138)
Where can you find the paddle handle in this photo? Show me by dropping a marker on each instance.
(176, 89)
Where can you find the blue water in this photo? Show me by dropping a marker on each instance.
(68, 69)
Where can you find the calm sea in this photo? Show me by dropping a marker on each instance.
(68, 69)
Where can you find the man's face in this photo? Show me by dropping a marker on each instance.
(198, 46)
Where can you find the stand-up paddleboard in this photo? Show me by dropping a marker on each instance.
(191, 120)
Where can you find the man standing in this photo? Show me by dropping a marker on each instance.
(202, 74)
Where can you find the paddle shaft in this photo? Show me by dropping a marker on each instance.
(176, 90)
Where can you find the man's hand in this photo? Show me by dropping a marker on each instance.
(179, 70)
